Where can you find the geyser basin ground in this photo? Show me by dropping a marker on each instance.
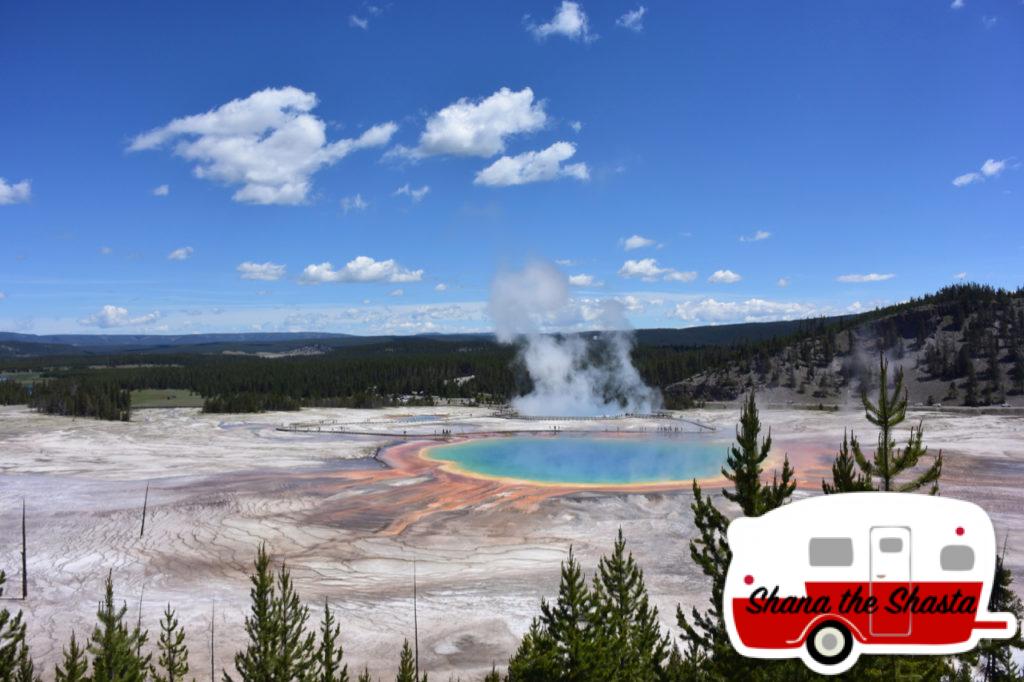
(585, 461)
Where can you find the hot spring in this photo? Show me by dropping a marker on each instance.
(572, 460)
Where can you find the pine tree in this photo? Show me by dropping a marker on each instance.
(996, 656)
(295, 646)
(629, 636)
(329, 665)
(492, 676)
(12, 639)
(116, 649)
(846, 478)
(971, 387)
(256, 662)
(889, 462)
(535, 659)
(569, 623)
(173, 656)
(707, 643)
(26, 670)
(406, 665)
(743, 467)
(74, 666)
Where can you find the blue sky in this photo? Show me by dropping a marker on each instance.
(187, 167)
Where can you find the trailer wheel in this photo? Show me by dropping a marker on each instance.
(830, 643)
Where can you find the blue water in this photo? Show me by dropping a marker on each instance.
(586, 460)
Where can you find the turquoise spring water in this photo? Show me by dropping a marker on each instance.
(588, 460)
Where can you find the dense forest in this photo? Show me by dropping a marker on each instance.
(601, 630)
(968, 337)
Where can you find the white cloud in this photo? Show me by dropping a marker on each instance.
(479, 128)
(441, 286)
(360, 269)
(356, 203)
(988, 21)
(750, 310)
(758, 236)
(161, 191)
(269, 143)
(577, 126)
(264, 272)
(855, 307)
(565, 262)
(783, 282)
(990, 169)
(960, 276)
(106, 250)
(724, 277)
(581, 280)
(636, 242)
(530, 167)
(869, 277)
(358, 22)
(648, 270)
(957, 4)
(396, 293)
(17, 193)
(677, 276)
(3, 295)
(570, 21)
(633, 20)
(115, 316)
(414, 194)
(184, 253)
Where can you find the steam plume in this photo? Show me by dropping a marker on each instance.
(572, 374)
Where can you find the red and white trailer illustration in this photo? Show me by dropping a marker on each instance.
(828, 578)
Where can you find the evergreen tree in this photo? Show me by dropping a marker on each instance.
(173, 653)
(996, 656)
(845, 476)
(744, 467)
(116, 648)
(295, 646)
(633, 646)
(971, 387)
(26, 671)
(569, 624)
(492, 676)
(535, 659)
(707, 643)
(329, 665)
(406, 665)
(74, 666)
(256, 662)
(365, 675)
(889, 463)
(12, 639)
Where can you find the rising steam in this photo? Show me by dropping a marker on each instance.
(573, 375)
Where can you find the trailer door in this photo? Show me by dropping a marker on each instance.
(890, 569)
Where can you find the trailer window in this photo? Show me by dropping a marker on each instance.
(891, 545)
(831, 552)
(956, 558)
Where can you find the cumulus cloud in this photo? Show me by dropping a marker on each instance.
(724, 277)
(577, 126)
(990, 169)
(750, 310)
(960, 276)
(530, 167)
(3, 295)
(116, 316)
(441, 286)
(106, 250)
(17, 193)
(868, 277)
(758, 236)
(358, 22)
(414, 194)
(581, 280)
(360, 269)
(184, 253)
(782, 282)
(356, 203)
(396, 293)
(648, 270)
(269, 143)
(478, 127)
(264, 272)
(569, 20)
(636, 242)
(957, 4)
(633, 20)
(161, 191)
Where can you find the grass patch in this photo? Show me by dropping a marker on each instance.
(22, 377)
(165, 397)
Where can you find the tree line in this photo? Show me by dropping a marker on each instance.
(601, 630)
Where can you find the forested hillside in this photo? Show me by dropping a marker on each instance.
(961, 346)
